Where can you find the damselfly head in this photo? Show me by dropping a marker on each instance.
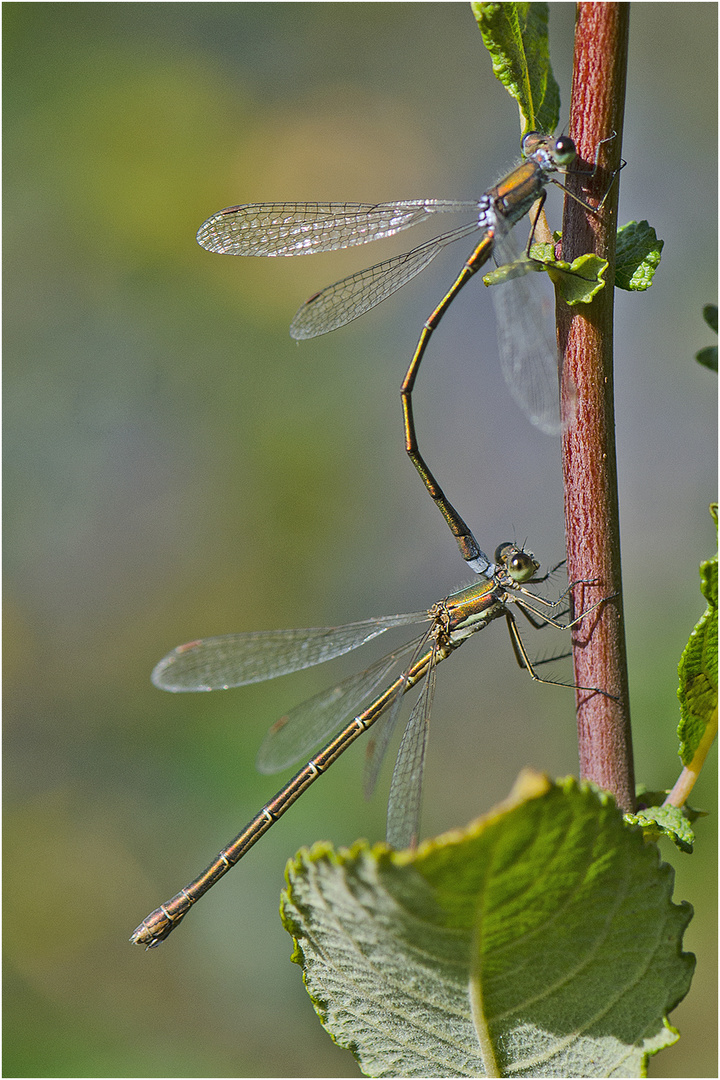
(520, 565)
(550, 152)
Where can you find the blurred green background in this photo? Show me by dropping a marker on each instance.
(176, 466)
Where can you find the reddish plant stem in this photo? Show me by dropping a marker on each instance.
(585, 335)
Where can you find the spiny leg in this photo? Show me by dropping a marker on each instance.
(550, 619)
(590, 176)
(524, 661)
(538, 211)
(537, 624)
(561, 597)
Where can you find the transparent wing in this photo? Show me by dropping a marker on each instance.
(382, 730)
(297, 733)
(350, 298)
(403, 818)
(218, 663)
(379, 741)
(300, 228)
(524, 309)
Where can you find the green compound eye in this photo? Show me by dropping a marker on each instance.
(520, 565)
(564, 152)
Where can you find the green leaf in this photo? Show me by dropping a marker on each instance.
(515, 269)
(540, 941)
(698, 667)
(710, 315)
(576, 282)
(656, 819)
(637, 256)
(708, 356)
(579, 281)
(516, 36)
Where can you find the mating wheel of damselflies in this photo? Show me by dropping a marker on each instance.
(239, 659)
(528, 353)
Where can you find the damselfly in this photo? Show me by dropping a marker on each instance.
(528, 352)
(239, 659)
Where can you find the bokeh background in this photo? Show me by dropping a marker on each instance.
(176, 466)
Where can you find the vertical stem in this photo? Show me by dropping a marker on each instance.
(589, 464)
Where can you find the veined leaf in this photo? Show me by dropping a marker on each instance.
(698, 669)
(540, 941)
(576, 282)
(516, 36)
(657, 818)
(637, 256)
